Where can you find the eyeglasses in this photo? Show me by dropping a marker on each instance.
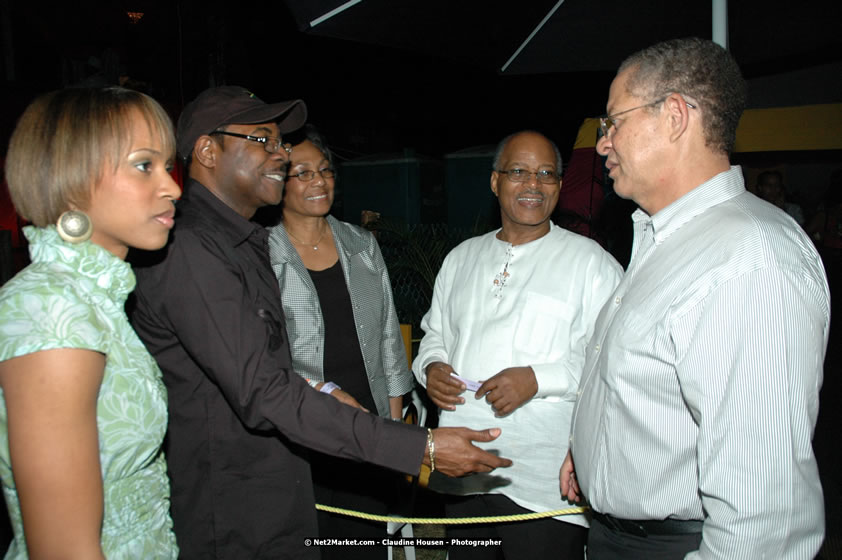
(270, 143)
(309, 175)
(516, 175)
(607, 122)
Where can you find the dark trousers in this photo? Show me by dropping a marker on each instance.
(605, 543)
(540, 538)
(355, 486)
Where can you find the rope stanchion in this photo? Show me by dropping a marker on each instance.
(452, 520)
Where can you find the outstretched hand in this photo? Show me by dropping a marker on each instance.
(509, 389)
(456, 455)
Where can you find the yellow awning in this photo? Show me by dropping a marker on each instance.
(808, 127)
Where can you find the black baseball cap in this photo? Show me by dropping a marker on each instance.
(223, 105)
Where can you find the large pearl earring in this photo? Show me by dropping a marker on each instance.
(74, 226)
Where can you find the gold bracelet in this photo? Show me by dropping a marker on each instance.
(431, 449)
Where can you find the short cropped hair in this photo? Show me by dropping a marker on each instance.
(65, 139)
(699, 69)
(498, 153)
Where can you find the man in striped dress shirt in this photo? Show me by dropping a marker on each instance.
(692, 433)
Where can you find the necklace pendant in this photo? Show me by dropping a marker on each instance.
(315, 247)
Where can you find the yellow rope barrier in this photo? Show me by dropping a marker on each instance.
(452, 520)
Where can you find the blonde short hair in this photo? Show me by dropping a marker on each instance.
(63, 142)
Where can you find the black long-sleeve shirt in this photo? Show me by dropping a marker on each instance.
(210, 312)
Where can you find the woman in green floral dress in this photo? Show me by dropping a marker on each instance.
(83, 413)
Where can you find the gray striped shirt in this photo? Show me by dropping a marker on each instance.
(700, 391)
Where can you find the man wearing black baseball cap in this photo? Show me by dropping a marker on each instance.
(210, 312)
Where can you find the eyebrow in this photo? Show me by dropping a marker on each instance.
(150, 150)
(264, 130)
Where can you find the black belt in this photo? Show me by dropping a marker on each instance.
(647, 527)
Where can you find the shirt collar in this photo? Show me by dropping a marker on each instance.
(528, 243)
(348, 241)
(94, 263)
(213, 210)
(714, 191)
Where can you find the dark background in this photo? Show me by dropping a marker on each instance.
(367, 99)
(439, 89)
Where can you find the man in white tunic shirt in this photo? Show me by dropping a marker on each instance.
(692, 434)
(513, 310)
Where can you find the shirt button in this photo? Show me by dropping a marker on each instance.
(596, 348)
(618, 300)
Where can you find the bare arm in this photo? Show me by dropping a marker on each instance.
(396, 407)
(51, 403)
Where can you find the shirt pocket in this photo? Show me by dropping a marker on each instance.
(543, 328)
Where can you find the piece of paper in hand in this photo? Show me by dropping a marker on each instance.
(471, 385)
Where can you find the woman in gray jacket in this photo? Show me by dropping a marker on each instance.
(344, 333)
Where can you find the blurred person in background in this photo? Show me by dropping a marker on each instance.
(770, 187)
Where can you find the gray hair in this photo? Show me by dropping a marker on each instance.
(699, 69)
